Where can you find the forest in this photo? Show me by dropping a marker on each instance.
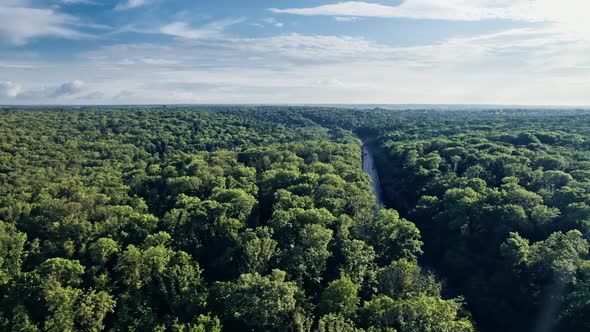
(207, 219)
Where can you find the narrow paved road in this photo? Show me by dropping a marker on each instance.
(449, 291)
(369, 168)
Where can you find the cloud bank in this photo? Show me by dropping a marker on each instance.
(569, 14)
(546, 62)
(517, 66)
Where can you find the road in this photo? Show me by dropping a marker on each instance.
(369, 168)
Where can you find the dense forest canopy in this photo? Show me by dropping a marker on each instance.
(261, 218)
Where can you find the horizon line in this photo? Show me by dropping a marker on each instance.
(375, 105)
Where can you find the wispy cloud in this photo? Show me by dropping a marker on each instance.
(130, 4)
(78, 2)
(273, 21)
(567, 13)
(418, 9)
(567, 17)
(542, 63)
(21, 24)
(346, 18)
(206, 46)
(212, 30)
(501, 67)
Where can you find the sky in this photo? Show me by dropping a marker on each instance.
(515, 52)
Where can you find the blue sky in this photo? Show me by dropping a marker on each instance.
(529, 52)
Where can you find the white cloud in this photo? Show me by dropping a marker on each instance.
(206, 65)
(232, 51)
(20, 24)
(130, 4)
(516, 66)
(346, 18)
(209, 31)
(273, 21)
(469, 10)
(360, 81)
(569, 15)
(157, 61)
(76, 2)
(10, 89)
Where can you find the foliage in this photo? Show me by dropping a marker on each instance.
(261, 218)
